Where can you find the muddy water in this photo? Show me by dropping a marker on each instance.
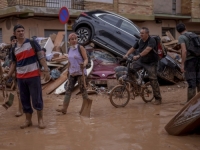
(138, 126)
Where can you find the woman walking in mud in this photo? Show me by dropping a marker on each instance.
(77, 61)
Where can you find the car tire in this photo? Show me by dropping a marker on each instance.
(84, 35)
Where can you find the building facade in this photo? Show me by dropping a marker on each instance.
(40, 18)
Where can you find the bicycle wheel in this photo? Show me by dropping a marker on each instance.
(147, 93)
(119, 96)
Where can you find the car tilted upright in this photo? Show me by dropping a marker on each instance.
(107, 30)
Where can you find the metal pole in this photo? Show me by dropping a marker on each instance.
(66, 38)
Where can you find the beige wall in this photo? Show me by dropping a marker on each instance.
(32, 27)
(37, 27)
(155, 29)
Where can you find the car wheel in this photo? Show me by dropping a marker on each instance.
(84, 35)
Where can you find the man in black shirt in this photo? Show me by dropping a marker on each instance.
(148, 59)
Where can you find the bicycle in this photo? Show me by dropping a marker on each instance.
(126, 86)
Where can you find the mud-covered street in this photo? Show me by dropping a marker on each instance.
(138, 126)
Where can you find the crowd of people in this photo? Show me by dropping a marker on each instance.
(25, 59)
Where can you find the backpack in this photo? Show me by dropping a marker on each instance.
(160, 49)
(88, 56)
(194, 43)
(33, 46)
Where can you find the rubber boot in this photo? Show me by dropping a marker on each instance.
(64, 109)
(40, 120)
(191, 92)
(28, 121)
(198, 88)
(156, 92)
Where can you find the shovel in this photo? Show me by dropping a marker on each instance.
(87, 103)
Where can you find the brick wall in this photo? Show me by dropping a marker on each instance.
(195, 9)
(186, 7)
(3, 4)
(136, 7)
(98, 5)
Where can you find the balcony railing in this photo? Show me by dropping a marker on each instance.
(70, 4)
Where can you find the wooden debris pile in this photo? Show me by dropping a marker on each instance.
(172, 46)
(4, 50)
(56, 59)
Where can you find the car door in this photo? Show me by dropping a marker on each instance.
(126, 33)
(105, 33)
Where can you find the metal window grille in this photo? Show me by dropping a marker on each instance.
(71, 4)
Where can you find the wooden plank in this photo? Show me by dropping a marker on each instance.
(173, 50)
(170, 36)
(59, 38)
(54, 65)
(56, 83)
(170, 43)
(46, 85)
(60, 58)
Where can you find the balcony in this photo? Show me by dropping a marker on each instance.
(70, 4)
(26, 8)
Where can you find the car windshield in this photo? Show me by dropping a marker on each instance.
(105, 57)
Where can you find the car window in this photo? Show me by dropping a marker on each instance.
(128, 27)
(110, 19)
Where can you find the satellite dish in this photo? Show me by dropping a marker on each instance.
(8, 24)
